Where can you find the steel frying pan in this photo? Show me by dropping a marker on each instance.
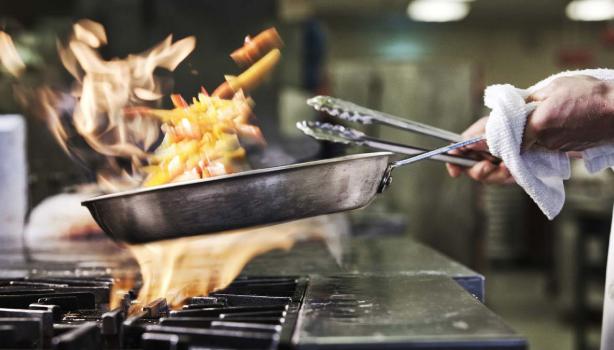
(250, 198)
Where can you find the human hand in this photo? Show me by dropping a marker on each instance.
(484, 171)
(573, 114)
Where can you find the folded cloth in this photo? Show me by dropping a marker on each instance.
(539, 171)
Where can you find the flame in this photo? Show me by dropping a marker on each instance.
(103, 90)
(110, 108)
(9, 57)
(192, 266)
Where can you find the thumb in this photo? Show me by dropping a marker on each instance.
(529, 138)
(480, 146)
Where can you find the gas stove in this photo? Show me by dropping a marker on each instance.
(73, 313)
(411, 297)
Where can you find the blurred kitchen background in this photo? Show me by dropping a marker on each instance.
(426, 60)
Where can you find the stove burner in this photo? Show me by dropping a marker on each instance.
(72, 313)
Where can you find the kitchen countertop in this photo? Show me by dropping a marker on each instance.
(363, 291)
(402, 312)
(372, 255)
(368, 256)
(387, 290)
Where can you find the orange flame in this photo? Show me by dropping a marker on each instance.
(193, 266)
(9, 57)
(104, 88)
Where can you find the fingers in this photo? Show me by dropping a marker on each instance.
(481, 171)
(485, 172)
(529, 138)
(480, 146)
(500, 176)
(476, 129)
(538, 96)
(543, 93)
(477, 151)
(541, 122)
(536, 119)
(454, 170)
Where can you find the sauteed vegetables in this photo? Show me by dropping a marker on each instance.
(202, 139)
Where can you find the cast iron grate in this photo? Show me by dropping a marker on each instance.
(72, 313)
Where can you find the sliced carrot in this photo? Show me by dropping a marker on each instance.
(254, 48)
(178, 101)
(133, 111)
(223, 91)
(251, 77)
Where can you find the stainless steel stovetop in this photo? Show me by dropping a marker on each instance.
(387, 292)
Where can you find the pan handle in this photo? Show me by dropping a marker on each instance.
(341, 134)
(387, 178)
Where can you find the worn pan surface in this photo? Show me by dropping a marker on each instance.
(246, 199)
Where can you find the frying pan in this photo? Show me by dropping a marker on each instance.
(254, 198)
(245, 199)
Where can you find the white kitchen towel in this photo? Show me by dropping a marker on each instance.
(539, 171)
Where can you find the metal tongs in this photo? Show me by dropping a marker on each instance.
(354, 113)
(341, 134)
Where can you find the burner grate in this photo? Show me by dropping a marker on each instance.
(72, 313)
